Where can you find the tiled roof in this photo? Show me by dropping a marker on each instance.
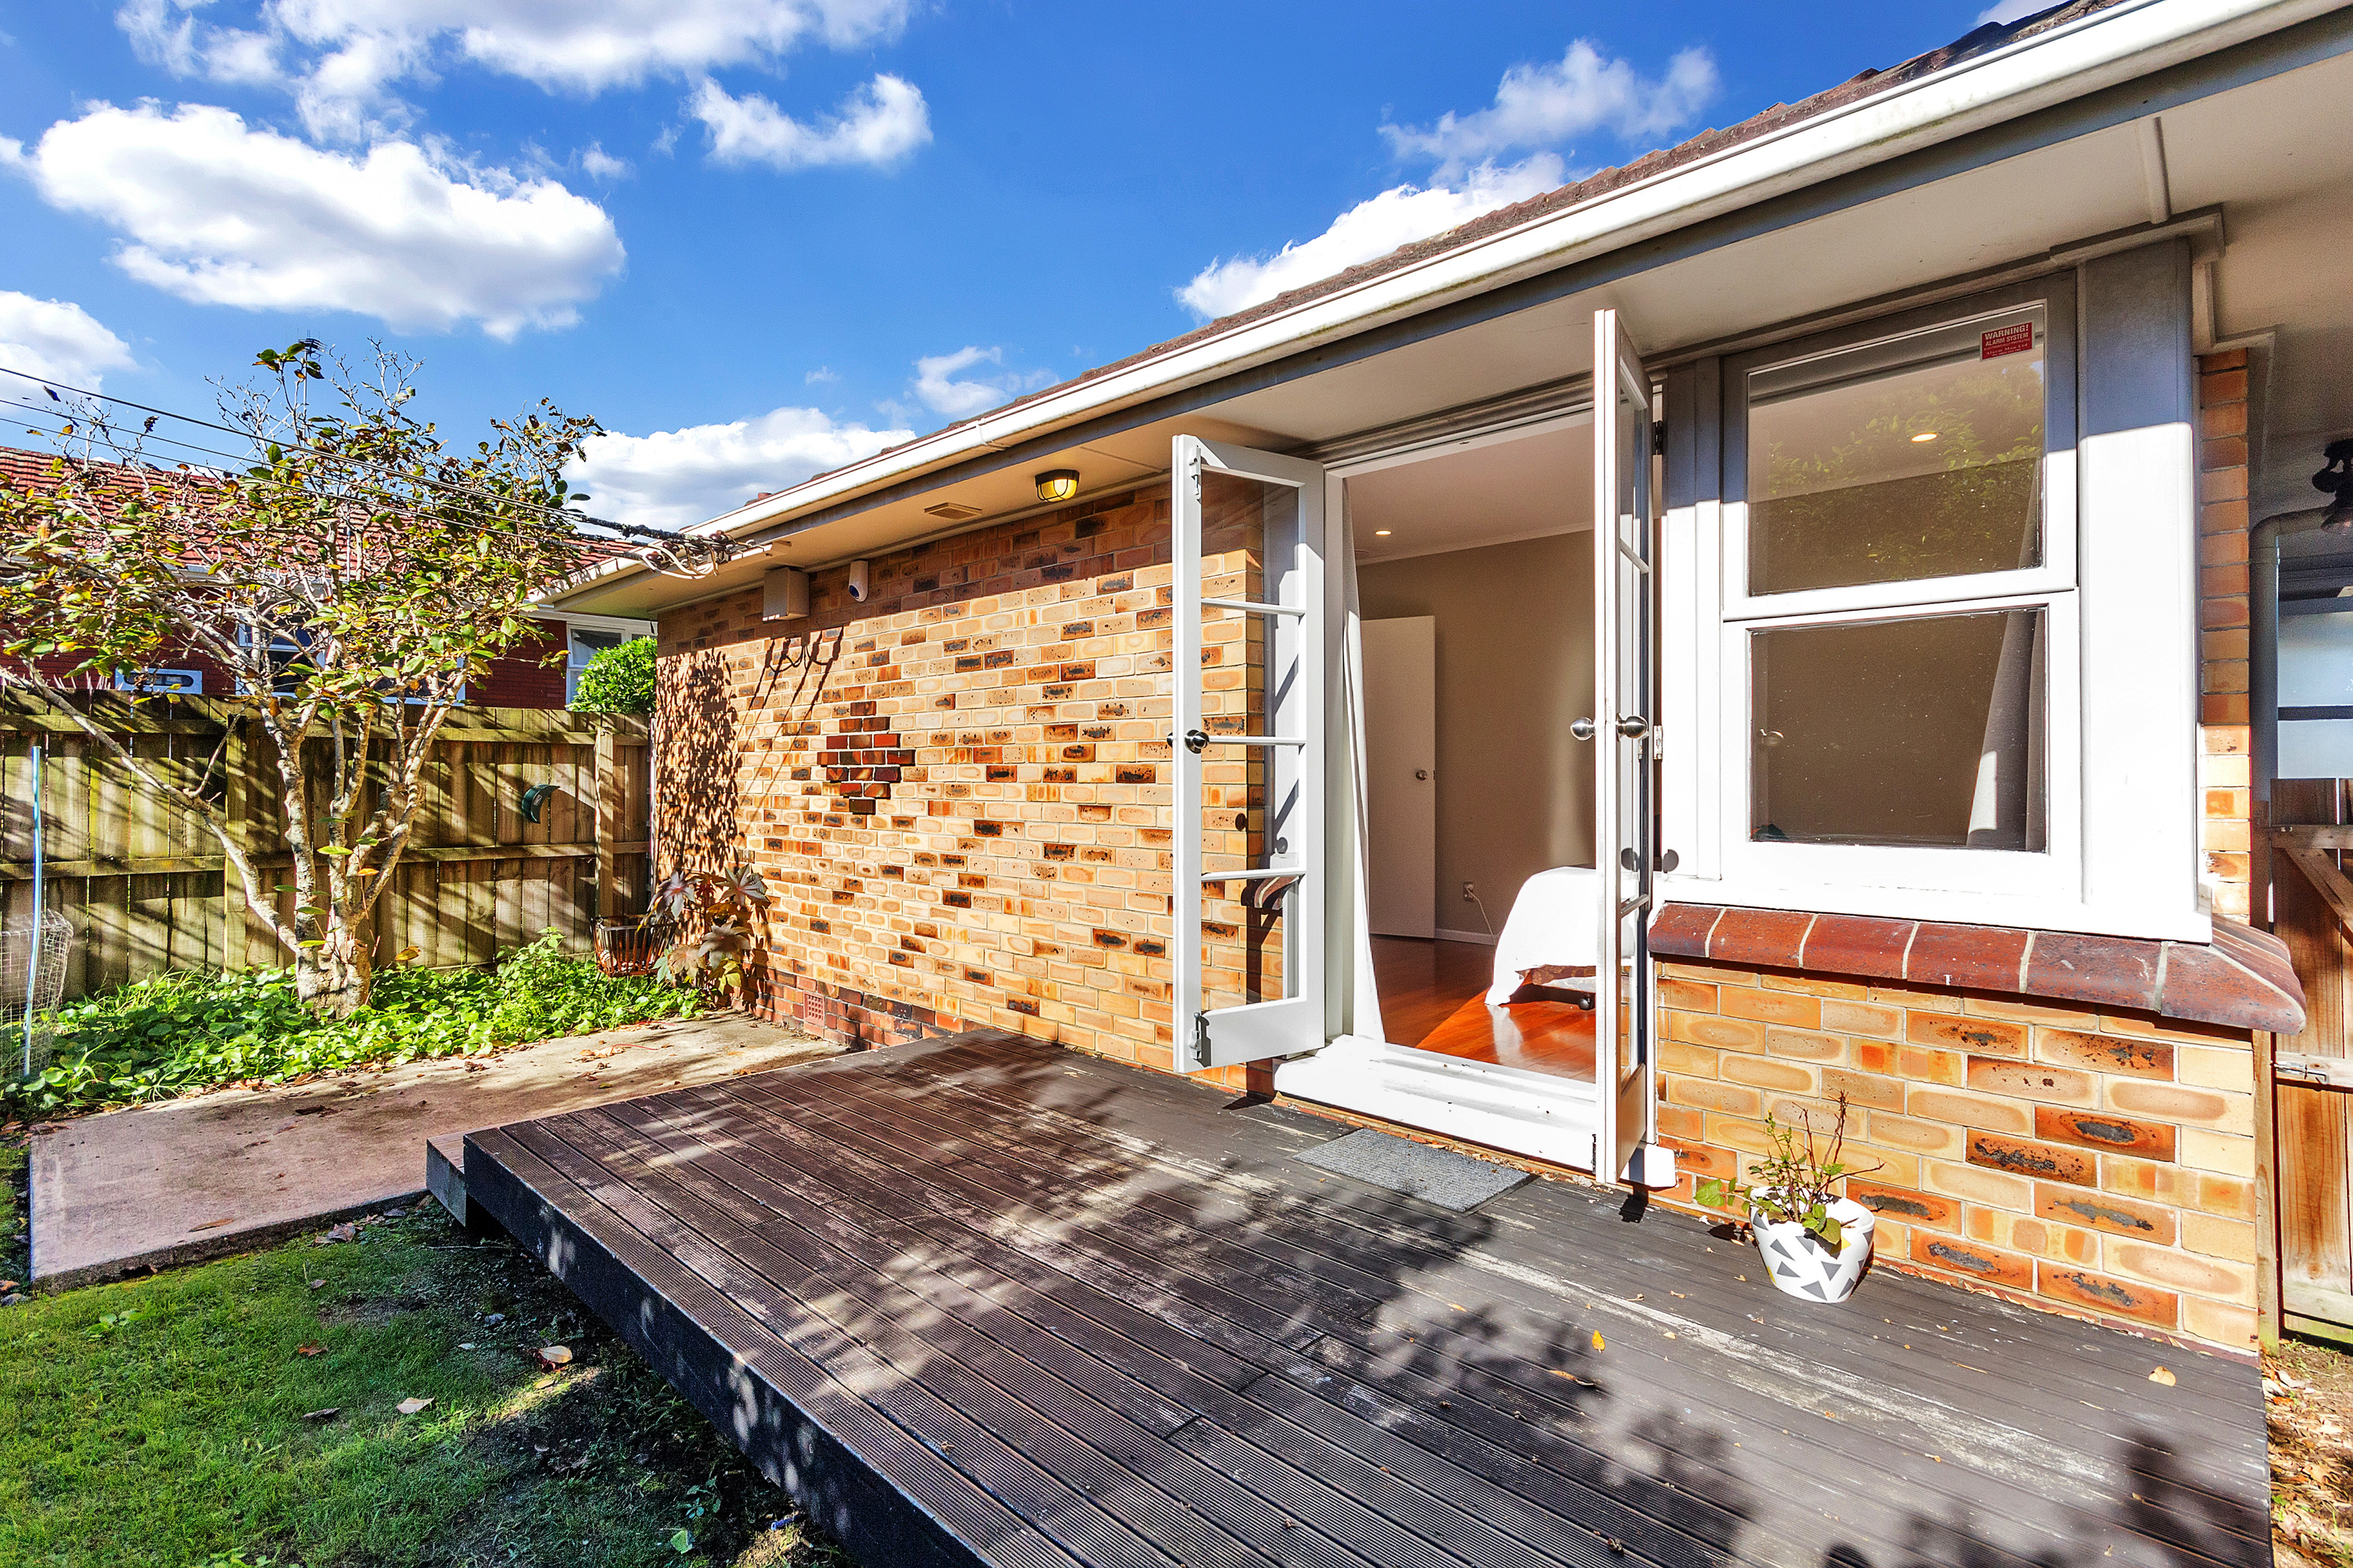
(1976, 41)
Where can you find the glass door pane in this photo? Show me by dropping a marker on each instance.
(1248, 752)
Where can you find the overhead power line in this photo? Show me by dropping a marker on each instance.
(695, 544)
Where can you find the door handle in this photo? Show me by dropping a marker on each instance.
(1583, 729)
(1633, 726)
(1195, 739)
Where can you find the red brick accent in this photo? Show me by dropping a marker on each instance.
(2241, 980)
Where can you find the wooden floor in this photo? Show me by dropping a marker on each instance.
(984, 1301)
(1433, 995)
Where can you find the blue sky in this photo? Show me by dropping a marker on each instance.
(757, 238)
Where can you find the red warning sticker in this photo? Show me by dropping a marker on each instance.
(2015, 338)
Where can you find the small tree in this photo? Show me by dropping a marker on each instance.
(618, 680)
(354, 578)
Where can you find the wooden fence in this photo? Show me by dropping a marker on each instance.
(142, 882)
(2312, 911)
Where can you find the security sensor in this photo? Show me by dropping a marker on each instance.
(859, 574)
(784, 594)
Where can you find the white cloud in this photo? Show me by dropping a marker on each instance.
(600, 164)
(221, 214)
(348, 55)
(57, 340)
(823, 375)
(672, 479)
(1545, 105)
(2011, 11)
(879, 124)
(1371, 228)
(937, 385)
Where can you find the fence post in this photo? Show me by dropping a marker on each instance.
(241, 932)
(610, 805)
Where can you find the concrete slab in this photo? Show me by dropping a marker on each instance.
(193, 1178)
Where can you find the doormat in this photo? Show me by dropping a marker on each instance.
(1438, 1176)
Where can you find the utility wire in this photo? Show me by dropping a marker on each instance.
(632, 530)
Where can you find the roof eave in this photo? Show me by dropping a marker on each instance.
(2083, 57)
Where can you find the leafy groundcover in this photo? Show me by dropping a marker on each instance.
(182, 1032)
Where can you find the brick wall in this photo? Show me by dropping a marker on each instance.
(2222, 523)
(956, 791)
(2100, 1162)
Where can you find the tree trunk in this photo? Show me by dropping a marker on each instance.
(335, 978)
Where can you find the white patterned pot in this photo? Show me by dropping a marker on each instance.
(1802, 1266)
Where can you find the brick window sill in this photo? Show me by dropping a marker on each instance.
(2242, 979)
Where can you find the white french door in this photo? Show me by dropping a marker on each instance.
(1248, 747)
(1625, 736)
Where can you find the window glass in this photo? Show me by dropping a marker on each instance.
(1923, 731)
(1920, 457)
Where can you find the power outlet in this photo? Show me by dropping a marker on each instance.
(1470, 893)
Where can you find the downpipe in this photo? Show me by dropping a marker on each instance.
(2263, 674)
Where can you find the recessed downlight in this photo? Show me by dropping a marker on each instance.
(1382, 533)
(1924, 437)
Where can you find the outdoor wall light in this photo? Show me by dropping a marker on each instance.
(1058, 484)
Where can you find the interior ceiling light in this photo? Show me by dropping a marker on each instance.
(1382, 533)
(952, 511)
(1058, 484)
(1924, 436)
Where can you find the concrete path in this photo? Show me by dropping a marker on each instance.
(220, 1173)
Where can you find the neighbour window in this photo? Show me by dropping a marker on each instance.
(155, 682)
(1898, 592)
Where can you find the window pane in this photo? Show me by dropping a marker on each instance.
(1918, 458)
(1924, 731)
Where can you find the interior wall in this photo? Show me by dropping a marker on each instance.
(1515, 668)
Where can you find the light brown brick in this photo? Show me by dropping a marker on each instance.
(2215, 1067)
(1871, 1018)
(1862, 1089)
(2219, 1151)
(1939, 1138)
(1696, 1061)
(2182, 1104)
(2106, 1213)
(2219, 1323)
(1802, 1047)
(2022, 1233)
(1686, 996)
(2033, 1081)
(1978, 1184)
(1785, 1008)
(2213, 1277)
(1977, 1112)
(2225, 1238)
(1763, 1072)
(1717, 1034)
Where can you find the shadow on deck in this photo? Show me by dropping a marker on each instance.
(981, 1300)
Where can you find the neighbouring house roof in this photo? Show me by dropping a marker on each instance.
(1780, 116)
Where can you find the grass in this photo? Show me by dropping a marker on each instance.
(163, 1422)
(186, 1031)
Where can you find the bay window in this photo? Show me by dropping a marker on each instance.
(1907, 606)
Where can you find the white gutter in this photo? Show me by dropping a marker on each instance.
(2083, 57)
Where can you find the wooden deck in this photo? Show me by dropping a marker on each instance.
(984, 1301)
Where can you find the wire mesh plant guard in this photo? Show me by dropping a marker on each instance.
(32, 983)
(32, 961)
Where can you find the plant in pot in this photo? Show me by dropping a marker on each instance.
(1814, 1242)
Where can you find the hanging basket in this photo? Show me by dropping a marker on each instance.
(632, 947)
(1802, 1266)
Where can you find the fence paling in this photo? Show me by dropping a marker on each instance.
(2312, 911)
(144, 886)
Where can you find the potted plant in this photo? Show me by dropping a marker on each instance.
(1815, 1243)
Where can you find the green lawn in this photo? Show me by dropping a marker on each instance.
(164, 1421)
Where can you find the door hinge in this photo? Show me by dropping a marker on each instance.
(1658, 437)
(1201, 1038)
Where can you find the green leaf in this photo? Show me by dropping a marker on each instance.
(681, 1541)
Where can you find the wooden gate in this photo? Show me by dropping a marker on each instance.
(2312, 911)
(142, 882)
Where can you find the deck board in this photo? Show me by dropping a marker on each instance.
(984, 1301)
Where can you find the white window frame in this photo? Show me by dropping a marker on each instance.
(1723, 864)
(181, 682)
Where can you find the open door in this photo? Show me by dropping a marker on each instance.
(1624, 730)
(1249, 752)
